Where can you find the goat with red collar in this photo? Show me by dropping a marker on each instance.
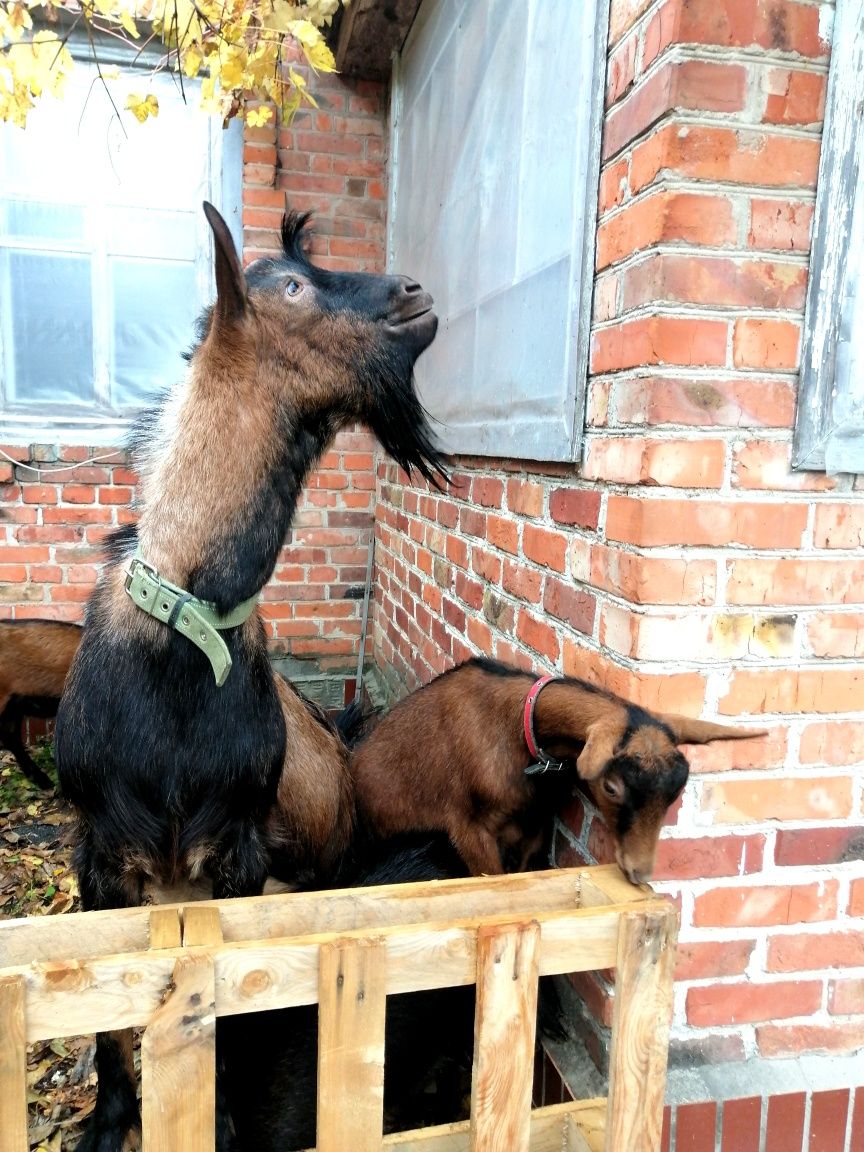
(470, 753)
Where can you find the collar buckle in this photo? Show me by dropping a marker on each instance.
(543, 765)
(135, 562)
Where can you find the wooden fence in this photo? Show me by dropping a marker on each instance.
(174, 969)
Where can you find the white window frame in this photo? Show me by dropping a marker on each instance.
(829, 423)
(105, 425)
(526, 435)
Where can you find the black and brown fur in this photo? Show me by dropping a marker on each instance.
(170, 775)
(35, 657)
(452, 757)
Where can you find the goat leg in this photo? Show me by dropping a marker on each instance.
(479, 849)
(115, 1124)
(10, 738)
(241, 868)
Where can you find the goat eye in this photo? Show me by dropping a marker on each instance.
(293, 288)
(612, 789)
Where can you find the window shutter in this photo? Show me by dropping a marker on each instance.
(496, 155)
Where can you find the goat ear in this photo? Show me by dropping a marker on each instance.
(598, 751)
(230, 280)
(690, 731)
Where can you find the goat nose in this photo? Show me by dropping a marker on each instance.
(410, 287)
(634, 873)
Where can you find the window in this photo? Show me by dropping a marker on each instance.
(829, 427)
(104, 252)
(496, 152)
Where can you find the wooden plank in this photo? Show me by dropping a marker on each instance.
(369, 35)
(202, 926)
(13, 1066)
(178, 1062)
(352, 989)
(178, 1049)
(551, 1131)
(67, 999)
(165, 928)
(586, 1129)
(508, 968)
(640, 1030)
(614, 886)
(435, 901)
(75, 936)
(90, 934)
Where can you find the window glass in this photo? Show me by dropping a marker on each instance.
(104, 250)
(52, 348)
(496, 158)
(148, 338)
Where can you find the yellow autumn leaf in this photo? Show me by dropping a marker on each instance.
(18, 19)
(320, 57)
(279, 15)
(128, 22)
(142, 107)
(193, 58)
(232, 66)
(290, 104)
(258, 117)
(304, 32)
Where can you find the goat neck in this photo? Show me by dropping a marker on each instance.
(568, 712)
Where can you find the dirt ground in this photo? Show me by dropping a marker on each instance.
(36, 830)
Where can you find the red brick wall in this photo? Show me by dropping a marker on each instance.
(684, 564)
(331, 161)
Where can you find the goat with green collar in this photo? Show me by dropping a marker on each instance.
(174, 735)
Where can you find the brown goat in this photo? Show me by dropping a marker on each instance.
(35, 656)
(453, 757)
(174, 735)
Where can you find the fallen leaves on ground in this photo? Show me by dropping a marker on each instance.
(36, 879)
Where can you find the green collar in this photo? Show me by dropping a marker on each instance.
(196, 619)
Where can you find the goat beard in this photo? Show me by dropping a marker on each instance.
(402, 425)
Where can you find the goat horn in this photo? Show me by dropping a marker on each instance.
(690, 731)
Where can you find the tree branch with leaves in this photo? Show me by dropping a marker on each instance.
(247, 53)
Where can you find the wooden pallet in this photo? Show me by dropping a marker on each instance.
(174, 969)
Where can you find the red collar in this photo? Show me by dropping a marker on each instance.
(543, 762)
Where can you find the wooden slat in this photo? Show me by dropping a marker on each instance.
(587, 1127)
(90, 934)
(508, 968)
(640, 1030)
(552, 1130)
(178, 1063)
(352, 984)
(165, 928)
(178, 1050)
(13, 1066)
(615, 886)
(75, 936)
(202, 926)
(123, 991)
